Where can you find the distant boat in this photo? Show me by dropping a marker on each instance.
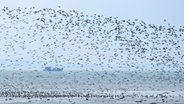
(53, 69)
(56, 68)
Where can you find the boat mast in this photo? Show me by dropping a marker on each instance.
(55, 62)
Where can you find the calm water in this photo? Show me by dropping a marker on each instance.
(135, 85)
(130, 80)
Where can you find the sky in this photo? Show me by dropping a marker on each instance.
(151, 11)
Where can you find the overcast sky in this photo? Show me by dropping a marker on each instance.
(151, 11)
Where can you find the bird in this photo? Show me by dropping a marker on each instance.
(104, 49)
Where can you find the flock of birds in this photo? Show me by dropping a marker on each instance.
(75, 39)
(34, 38)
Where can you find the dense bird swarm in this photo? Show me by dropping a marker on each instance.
(79, 39)
(33, 37)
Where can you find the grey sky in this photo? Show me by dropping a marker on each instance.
(151, 11)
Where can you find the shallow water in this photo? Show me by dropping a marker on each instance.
(79, 101)
(144, 86)
(130, 80)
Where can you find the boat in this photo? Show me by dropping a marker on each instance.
(56, 68)
(53, 69)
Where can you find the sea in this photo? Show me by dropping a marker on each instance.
(92, 86)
